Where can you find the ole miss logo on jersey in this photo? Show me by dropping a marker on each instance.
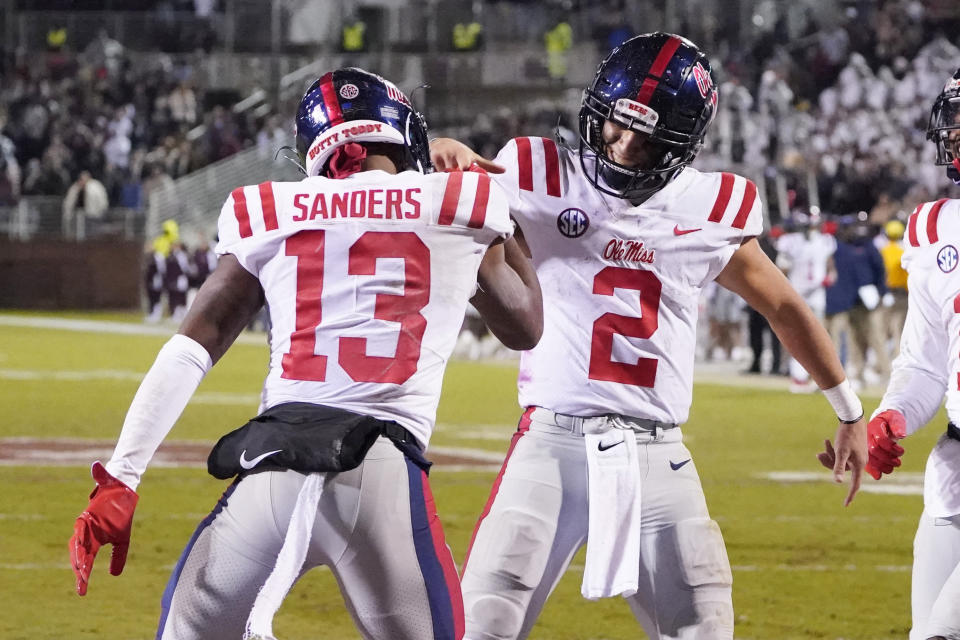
(573, 222)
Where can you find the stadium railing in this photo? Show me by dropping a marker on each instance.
(41, 218)
(194, 201)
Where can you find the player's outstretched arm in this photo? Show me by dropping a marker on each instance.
(222, 308)
(752, 275)
(508, 296)
(224, 305)
(448, 154)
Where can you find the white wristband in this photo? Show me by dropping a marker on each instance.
(844, 402)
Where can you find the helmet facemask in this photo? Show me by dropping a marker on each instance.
(675, 149)
(943, 128)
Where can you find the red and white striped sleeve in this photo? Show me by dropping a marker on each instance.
(471, 200)
(924, 225)
(249, 213)
(736, 204)
(533, 171)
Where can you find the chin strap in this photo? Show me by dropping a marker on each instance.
(345, 161)
(953, 171)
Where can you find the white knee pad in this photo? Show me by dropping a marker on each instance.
(702, 554)
(945, 616)
(506, 564)
(705, 570)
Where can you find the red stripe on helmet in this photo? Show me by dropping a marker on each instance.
(479, 212)
(240, 211)
(749, 195)
(659, 65)
(269, 206)
(451, 198)
(525, 163)
(330, 101)
(932, 220)
(726, 188)
(551, 158)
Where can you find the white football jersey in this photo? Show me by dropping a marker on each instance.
(621, 283)
(929, 362)
(805, 259)
(366, 279)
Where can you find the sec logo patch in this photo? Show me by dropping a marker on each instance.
(947, 258)
(349, 91)
(573, 222)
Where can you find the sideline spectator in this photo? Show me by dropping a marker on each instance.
(86, 199)
(757, 325)
(852, 301)
(153, 278)
(805, 256)
(895, 301)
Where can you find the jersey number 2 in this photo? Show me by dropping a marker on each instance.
(301, 363)
(602, 365)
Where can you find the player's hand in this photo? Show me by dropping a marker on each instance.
(448, 154)
(850, 453)
(882, 434)
(107, 520)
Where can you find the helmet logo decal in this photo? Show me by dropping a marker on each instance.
(349, 91)
(573, 222)
(952, 83)
(396, 94)
(704, 81)
(635, 115)
(347, 133)
(947, 258)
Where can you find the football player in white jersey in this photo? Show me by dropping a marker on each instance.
(624, 235)
(366, 266)
(928, 368)
(805, 256)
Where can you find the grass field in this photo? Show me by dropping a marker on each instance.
(804, 567)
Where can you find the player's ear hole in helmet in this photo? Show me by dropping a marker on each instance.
(943, 127)
(659, 86)
(353, 105)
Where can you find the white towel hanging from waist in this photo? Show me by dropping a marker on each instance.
(613, 537)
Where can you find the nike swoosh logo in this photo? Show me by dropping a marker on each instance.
(677, 465)
(600, 446)
(250, 464)
(677, 231)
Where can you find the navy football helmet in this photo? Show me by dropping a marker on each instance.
(353, 105)
(658, 84)
(944, 126)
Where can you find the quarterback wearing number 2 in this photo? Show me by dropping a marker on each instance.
(624, 235)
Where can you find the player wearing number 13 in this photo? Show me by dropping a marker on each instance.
(366, 266)
(624, 235)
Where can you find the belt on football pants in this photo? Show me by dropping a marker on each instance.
(580, 425)
(953, 431)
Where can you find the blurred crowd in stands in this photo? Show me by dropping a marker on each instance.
(827, 115)
(129, 122)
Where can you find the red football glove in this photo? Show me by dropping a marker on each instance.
(107, 520)
(882, 435)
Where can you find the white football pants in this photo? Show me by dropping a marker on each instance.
(936, 579)
(536, 520)
(376, 529)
